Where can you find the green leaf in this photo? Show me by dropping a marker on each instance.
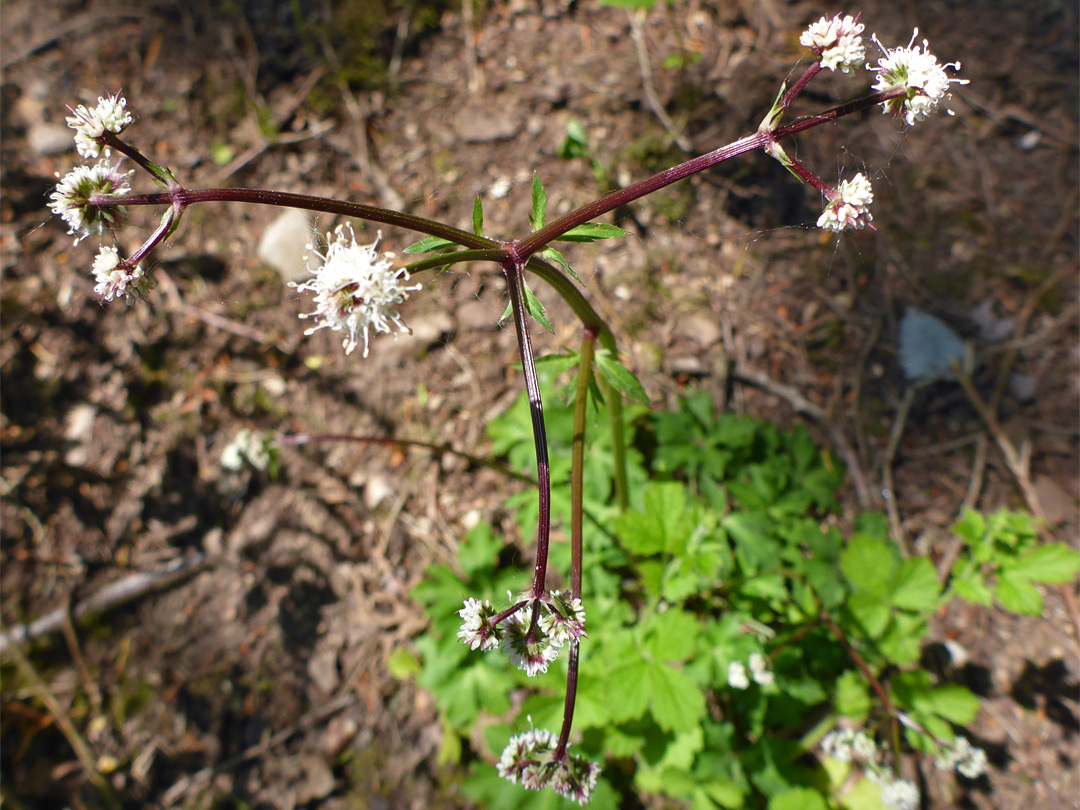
(1053, 564)
(798, 799)
(628, 3)
(970, 584)
(953, 702)
(868, 563)
(852, 695)
(478, 217)
(672, 635)
(720, 794)
(539, 204)
(536, 309)
(632, 684)
(592, 232)
(677, 702)
(403, 664)
(1018, 595)
(916, 586)
(449, 746)
(971, 527)
(428, 245)
(870, 612)
(479, 550)
(556, 363)
(620, 378)
(552, 255)
(660, 526)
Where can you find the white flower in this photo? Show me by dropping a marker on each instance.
(919, 73)
(863, 747)
(563, 618)
(71, 199)
(246, 446)
(760, 669)
(838, 744)
(837, 42)
(736, 675)
(849, 206)
(969, 760)
(900, 795)
(526, 754)
(110, 115)
(116, 278)
(476, 630)
(529, 650)
(356, 290)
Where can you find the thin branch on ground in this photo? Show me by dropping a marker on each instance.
(110, 596)
(978, 471)
(637, 33)
(895, 435)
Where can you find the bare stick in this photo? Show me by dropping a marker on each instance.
(111, 596)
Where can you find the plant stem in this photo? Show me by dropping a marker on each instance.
(568, 702)
(515, 283)
(577, 456)
(185, 197)
(860, 662)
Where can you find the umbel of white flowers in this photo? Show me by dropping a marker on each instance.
(357, 290)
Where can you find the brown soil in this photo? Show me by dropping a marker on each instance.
(263, 676)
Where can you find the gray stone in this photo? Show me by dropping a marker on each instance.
(283, 245)
(50, 139)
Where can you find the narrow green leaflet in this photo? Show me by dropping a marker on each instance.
(533, 307)
(552, 255)
(620, 377)
(592, 232)
(478, 217)
(539, 204)
(429, 245)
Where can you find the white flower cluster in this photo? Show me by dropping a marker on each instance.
(90, 124)
(845, 745)
(837, 42)
(919, 73)
(849, 206)
(250, 447)
(849, 745)
(71, 200)
(116, 278)
(968, 760)
(529, 760)
(900, 794)
(739, 677)
(357, 290)
(529, 648)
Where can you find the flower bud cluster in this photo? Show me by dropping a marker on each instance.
(849, 205)
(529, 760)
(357, 290)
(837, 42)
(88, 197)
(968, 760)
(739, 676)
(90, 124)
(530, 645)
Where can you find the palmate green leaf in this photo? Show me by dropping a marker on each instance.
(718, 794)
(620, 377)
(952, 702)
(592, 232)
(539, 204)
(852, 697)
(1018, 595)
(1051, 564)
(971, 527)
(671, 635)
(798, 799)
(633, 684)
(429, 245)
(477, 553)
(916, 586)
(901, 644)
(677, 702)
(661, 526)
(869, 564)
(871, 613)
